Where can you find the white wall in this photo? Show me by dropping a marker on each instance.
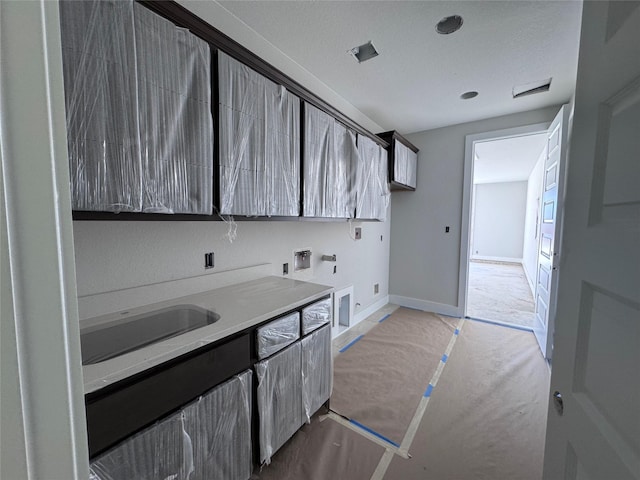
(499, 221)
(424, 260)
(532, 218)
(117, 255)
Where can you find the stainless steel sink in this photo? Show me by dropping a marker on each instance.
(102, 342)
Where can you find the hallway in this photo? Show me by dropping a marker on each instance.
(500, 291)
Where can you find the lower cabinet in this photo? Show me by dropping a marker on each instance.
(317, 371)
(206, 439)
(279, 399)
(292, 385)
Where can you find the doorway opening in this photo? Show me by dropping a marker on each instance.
(501, 215)
(503, 231)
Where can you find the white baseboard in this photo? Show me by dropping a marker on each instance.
(496, 259)
(371, 309)
(435, 307)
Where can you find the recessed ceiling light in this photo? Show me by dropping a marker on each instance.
(364, 52)
(449, 24)
(468, 95)
(531, 88)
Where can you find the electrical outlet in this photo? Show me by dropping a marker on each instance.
(208, 260)
(357, 233)
(285, 269)
(376, 288)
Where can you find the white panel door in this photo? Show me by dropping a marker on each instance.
(593, 429)
(553, 180)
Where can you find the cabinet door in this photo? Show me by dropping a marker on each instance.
(329, 166)
(137, 95)
(316, 315)
(209, 438)
(372, 190)
(162, 450)
(259, 143)
(412, 169)
(278, 334)
(405, 163)
(174, 112)
(99, 65)
(219, 426)
(279, 399)
(317, 370)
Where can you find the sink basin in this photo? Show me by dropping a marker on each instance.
(102, 342)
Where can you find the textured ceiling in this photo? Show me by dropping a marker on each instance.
(507, 160)
(416, 81)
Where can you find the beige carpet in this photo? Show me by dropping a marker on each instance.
(379, 381)
(500, 291)
(486, 418)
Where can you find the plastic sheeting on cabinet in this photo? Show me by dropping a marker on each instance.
(317, 370)
(330, 157)
(209, 438)
(316, 315)
(137, 97)
(259, 143)
(219, 423)
(276, 335)
(405, 163)
(279, 399)
(372, 189)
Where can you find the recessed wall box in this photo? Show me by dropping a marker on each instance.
(301, 260)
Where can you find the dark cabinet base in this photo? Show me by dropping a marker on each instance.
(119, 410)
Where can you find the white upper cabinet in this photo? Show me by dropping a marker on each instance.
(330, 157)
(372, 190)
(259, 143)
(137, 97)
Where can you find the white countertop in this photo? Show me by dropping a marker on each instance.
(239, 306)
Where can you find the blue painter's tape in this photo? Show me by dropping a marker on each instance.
(373, 432)
(427, 392)
(499, 324)
(444, 358)
(457, 332)
(384, 318)
(348, 345)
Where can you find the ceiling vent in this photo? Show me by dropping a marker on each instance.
(531, 88)
(364, 52)
(449, 25)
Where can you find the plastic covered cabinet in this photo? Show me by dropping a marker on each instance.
(259, 143)
(139, 124)
(317, 370)
(372, 185)
(403, 161)
(316, 315)
(208, 438)
(330, 156)
(279, 399)
(277, 334)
